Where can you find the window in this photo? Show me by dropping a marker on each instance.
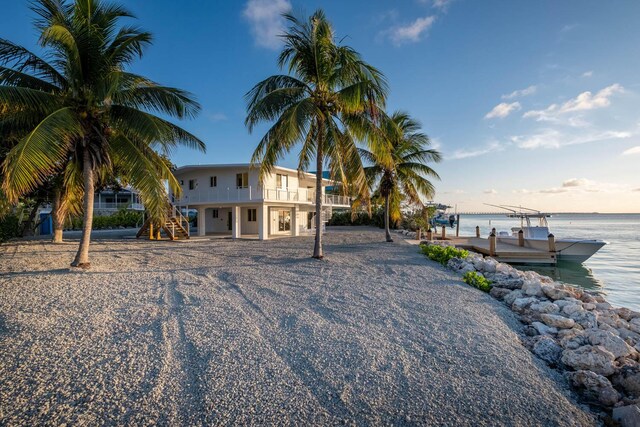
(282, 181)
(242, 180)
(213, 181)
(310, 217)
(215, 213)
(252, 215)
(192, 184)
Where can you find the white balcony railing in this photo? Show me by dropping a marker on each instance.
(117, 206)
(248, 194)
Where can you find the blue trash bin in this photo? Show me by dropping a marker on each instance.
(46, 226)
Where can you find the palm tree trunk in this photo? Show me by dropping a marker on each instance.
(82, 257)
(57, 215)
(317, 249)
(386, 218)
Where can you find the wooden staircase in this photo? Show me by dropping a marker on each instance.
(176, 227)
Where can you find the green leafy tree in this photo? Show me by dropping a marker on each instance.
(403, 173)
(81, 111)
(324, 104)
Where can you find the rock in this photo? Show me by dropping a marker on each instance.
(530, 331)
(603, 306)
(609, 341)
(588, 306)
(627, 416)
(573, 339)
(627, 314)
(555, 293)
(596, 387)
(590, 358)
(569, 309)
(507, 281)
(498, 292)
(557, 321)
(520, 304)
(630, 337)
(544, 329)
(587, 298)
(547, 349)
(544, 307)
(585, 319)
(634, 325)
(532, 288)
(510, 298)
(631, 384)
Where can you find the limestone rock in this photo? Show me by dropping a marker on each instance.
(544, 307)
(595, 387)
(554, 293)
(547, 349)
(557, 321)
(634, 325)
(570, 309)
(573, 339)
(499, 293)
(520, 304)
(627, 416)
(609, 341)
(514, 295)
(627, 314)
(630, 337)
(532, 288)
(590, 358)
(588, 306)
(585, 319)
(544, 329)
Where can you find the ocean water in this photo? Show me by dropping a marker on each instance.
(614, 270)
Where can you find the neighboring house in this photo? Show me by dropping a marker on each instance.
(109, 201)
(230, 201)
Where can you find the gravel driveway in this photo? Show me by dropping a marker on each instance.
(228, 332)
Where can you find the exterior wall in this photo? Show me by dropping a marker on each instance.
(246, 226)
(217, 225)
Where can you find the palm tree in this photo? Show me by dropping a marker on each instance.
(324, 103)
(403, 173)
(82, 113)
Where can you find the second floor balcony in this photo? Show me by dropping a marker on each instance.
(258, 194)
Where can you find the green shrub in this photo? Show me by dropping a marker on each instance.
(122, 218)
(442, 254)
(477, 281)
(361, 218)
(9, 228)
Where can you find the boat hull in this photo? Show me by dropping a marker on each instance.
(567, 250)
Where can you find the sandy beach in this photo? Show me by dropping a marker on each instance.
(205, 332)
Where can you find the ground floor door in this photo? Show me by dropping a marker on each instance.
(281, 221)
(229, 221)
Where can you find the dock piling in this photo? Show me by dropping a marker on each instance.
(492, 244)
(521, 238)
(458, 225)
(429, 234)
(552, 243)
(444, 232)
(477, 231)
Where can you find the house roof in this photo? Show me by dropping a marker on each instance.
(188, 168)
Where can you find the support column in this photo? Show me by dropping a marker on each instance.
(235, 222)
(295, 230)
(263, 222)
(202, 228)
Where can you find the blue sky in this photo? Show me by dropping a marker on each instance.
(531, 102)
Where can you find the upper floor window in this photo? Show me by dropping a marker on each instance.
(192, 184)
(242, 180)
(213, 181)
(282, 181)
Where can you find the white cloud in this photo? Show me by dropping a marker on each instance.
(583, 102)
(267, 23)
(502, 110)
(490, 191)
(575, 182)
(466, 153)
(632, 150)
(551, 138)
(441, 4)
(217, 117)
(522, 92)
(568, 27)
(587, 73)
(554, 190)
(411, 32)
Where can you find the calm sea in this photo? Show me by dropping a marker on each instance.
(614, 270)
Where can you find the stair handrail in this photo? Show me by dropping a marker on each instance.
(181, 219)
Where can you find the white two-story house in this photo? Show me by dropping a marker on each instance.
(230, 201)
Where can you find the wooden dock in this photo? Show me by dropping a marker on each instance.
(505, 252)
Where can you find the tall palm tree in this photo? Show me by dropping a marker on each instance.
(83, 113)
(324, 103)
(403, 173)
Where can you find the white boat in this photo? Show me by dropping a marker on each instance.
(537, 236)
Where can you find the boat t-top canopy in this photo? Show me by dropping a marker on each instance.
(525, 214)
